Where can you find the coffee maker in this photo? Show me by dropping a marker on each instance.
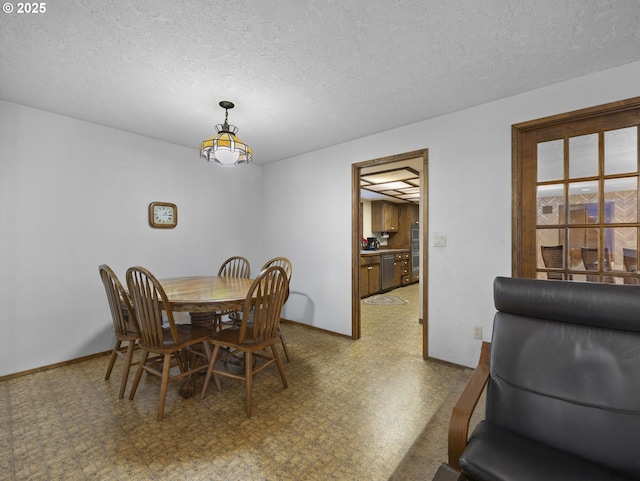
(373, 244)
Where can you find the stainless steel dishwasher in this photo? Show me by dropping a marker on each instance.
(387, 271)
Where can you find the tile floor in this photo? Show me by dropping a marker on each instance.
(352, 410)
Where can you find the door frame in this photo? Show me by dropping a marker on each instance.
(356, 238)
(522, 214)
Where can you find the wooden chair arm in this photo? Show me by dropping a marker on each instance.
(466, 404)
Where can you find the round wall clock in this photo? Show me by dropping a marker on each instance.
(163, 215)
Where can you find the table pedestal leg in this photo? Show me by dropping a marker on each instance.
(204, 319)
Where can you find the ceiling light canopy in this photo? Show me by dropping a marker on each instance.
(225, 148)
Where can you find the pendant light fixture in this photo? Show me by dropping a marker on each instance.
(225, 148)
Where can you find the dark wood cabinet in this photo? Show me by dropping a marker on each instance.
(384, 216)
(412, 212)
(369, 275)
(397, 270)
(402, 269)
(406, 268)
(370, 272)
(408, 215)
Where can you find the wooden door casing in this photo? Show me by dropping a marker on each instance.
(525, 139)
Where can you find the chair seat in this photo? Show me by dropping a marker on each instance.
(497, 454)
(187, 334)
(129, 336)
(231, 337)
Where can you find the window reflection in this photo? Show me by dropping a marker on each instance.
(583, 201)
(551, 160)
(583, 156)
(621, 151)
(550, 202)
(622, 194)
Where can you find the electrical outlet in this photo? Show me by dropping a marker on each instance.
(477, 332)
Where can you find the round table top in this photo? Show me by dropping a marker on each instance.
(205, 293)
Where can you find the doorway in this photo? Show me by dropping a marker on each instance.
(421, 156)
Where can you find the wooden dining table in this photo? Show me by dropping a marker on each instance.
(202, 297)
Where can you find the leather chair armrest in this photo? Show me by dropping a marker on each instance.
(466, 404)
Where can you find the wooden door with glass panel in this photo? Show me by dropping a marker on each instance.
(577, 211)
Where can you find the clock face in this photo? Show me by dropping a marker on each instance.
(163, 214)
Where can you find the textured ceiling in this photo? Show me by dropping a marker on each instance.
(303, 74)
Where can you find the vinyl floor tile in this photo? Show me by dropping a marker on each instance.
(351, 412)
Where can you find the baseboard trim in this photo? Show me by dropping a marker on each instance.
(91, 356)
(53, 366)
(307, 326)
(447, 363)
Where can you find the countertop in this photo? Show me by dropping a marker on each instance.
(382, 251)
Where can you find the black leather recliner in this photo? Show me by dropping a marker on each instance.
(563, 391)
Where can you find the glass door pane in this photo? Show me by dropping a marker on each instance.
(623, 194)
(550, 204)
(621, 151)
(583, 156)
(551, 160)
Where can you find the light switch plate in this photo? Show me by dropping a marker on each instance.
(439, 240)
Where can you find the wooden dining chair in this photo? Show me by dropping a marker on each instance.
(552, 257)
(590, 261)
(235, 266)
(630, 261)
(176, 342)
(286, 265)
(125, 325)
(265, 299)
(281, 262)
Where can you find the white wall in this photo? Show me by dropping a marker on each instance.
(58, 177)
(469, 196)
(74, 195)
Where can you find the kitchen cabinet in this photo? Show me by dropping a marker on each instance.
(408, 215)
(406, 268)
(397, 278)
(384, 216)
(411, 214)
(402, 269)
(369, 275)
(371, 271)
